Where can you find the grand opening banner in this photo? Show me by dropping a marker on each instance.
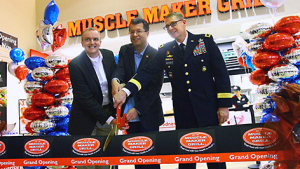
(199, 145)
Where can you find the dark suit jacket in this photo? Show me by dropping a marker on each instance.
(87, 102)
(199, 79)
(147, 100)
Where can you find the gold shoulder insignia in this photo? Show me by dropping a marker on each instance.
(162, 45)
(207, 35)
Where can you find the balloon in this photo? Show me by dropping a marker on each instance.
(28, 100)
(28, 128)
(62, 124)
(44, 35)
(59, 37)
(66, 98)
(272, 3)
(58, 133)
(297, 40)
(42, 73)
(263, 104)
(12, 66)
(17, 55)
(29, 78)
(42, 99)
(249, 62)
(293, 55)
(242, 61)
(265, 60)
(21, 72)
(63, 74)
(51, 13)
(33, 87)
(254, 47)
(289, 24)
(57, 111)
(56, 61)
(33, 113)
(56, 86)
(279, 41)
(280, 72)
(69, 106)
(35, 62)
(42, 126)
(266, 89)
(259, 30)
(259, 77)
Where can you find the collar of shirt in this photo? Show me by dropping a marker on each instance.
(185, 40)
(96, 60)
(136, 54)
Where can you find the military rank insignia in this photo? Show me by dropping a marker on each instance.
(200, 48)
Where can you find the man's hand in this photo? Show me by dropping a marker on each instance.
(223, 115)
(116, 86)
(119, 98)
(131, 114)
(114, 122)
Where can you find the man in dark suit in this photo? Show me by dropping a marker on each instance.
(199, 78)
(143, 110)
(90, 73)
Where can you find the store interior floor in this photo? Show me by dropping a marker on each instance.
(230, 165)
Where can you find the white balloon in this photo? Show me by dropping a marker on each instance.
(272, 3)
(12, 66)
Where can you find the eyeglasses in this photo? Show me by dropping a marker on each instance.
(90, 40)
(139, 32)
(173, 24)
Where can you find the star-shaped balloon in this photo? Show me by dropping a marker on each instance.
(44, 35)
(59, 37)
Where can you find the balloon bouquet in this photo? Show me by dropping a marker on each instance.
(274, 56)
(46, 35)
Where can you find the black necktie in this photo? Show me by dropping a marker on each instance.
(182, 48)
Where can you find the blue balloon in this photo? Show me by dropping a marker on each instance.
(29, 78)
(17, 55)
(51, 13)
(264, 117)
(62, 125)
(58, 133)
(69, 106)
(249, 62)
(35, 62)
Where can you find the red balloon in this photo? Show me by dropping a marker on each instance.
(28, 128)
(242, 61)
(259, 77)
(289, 24)
(21, 72)
(265, 60)
(59, 37)
(57, 86)
(33, 113)
(63, 74)
(42, 99)
(278, 41)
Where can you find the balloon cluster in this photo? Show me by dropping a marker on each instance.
(274, 56)
(49, 88)
(50, 96)
(46, 34)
